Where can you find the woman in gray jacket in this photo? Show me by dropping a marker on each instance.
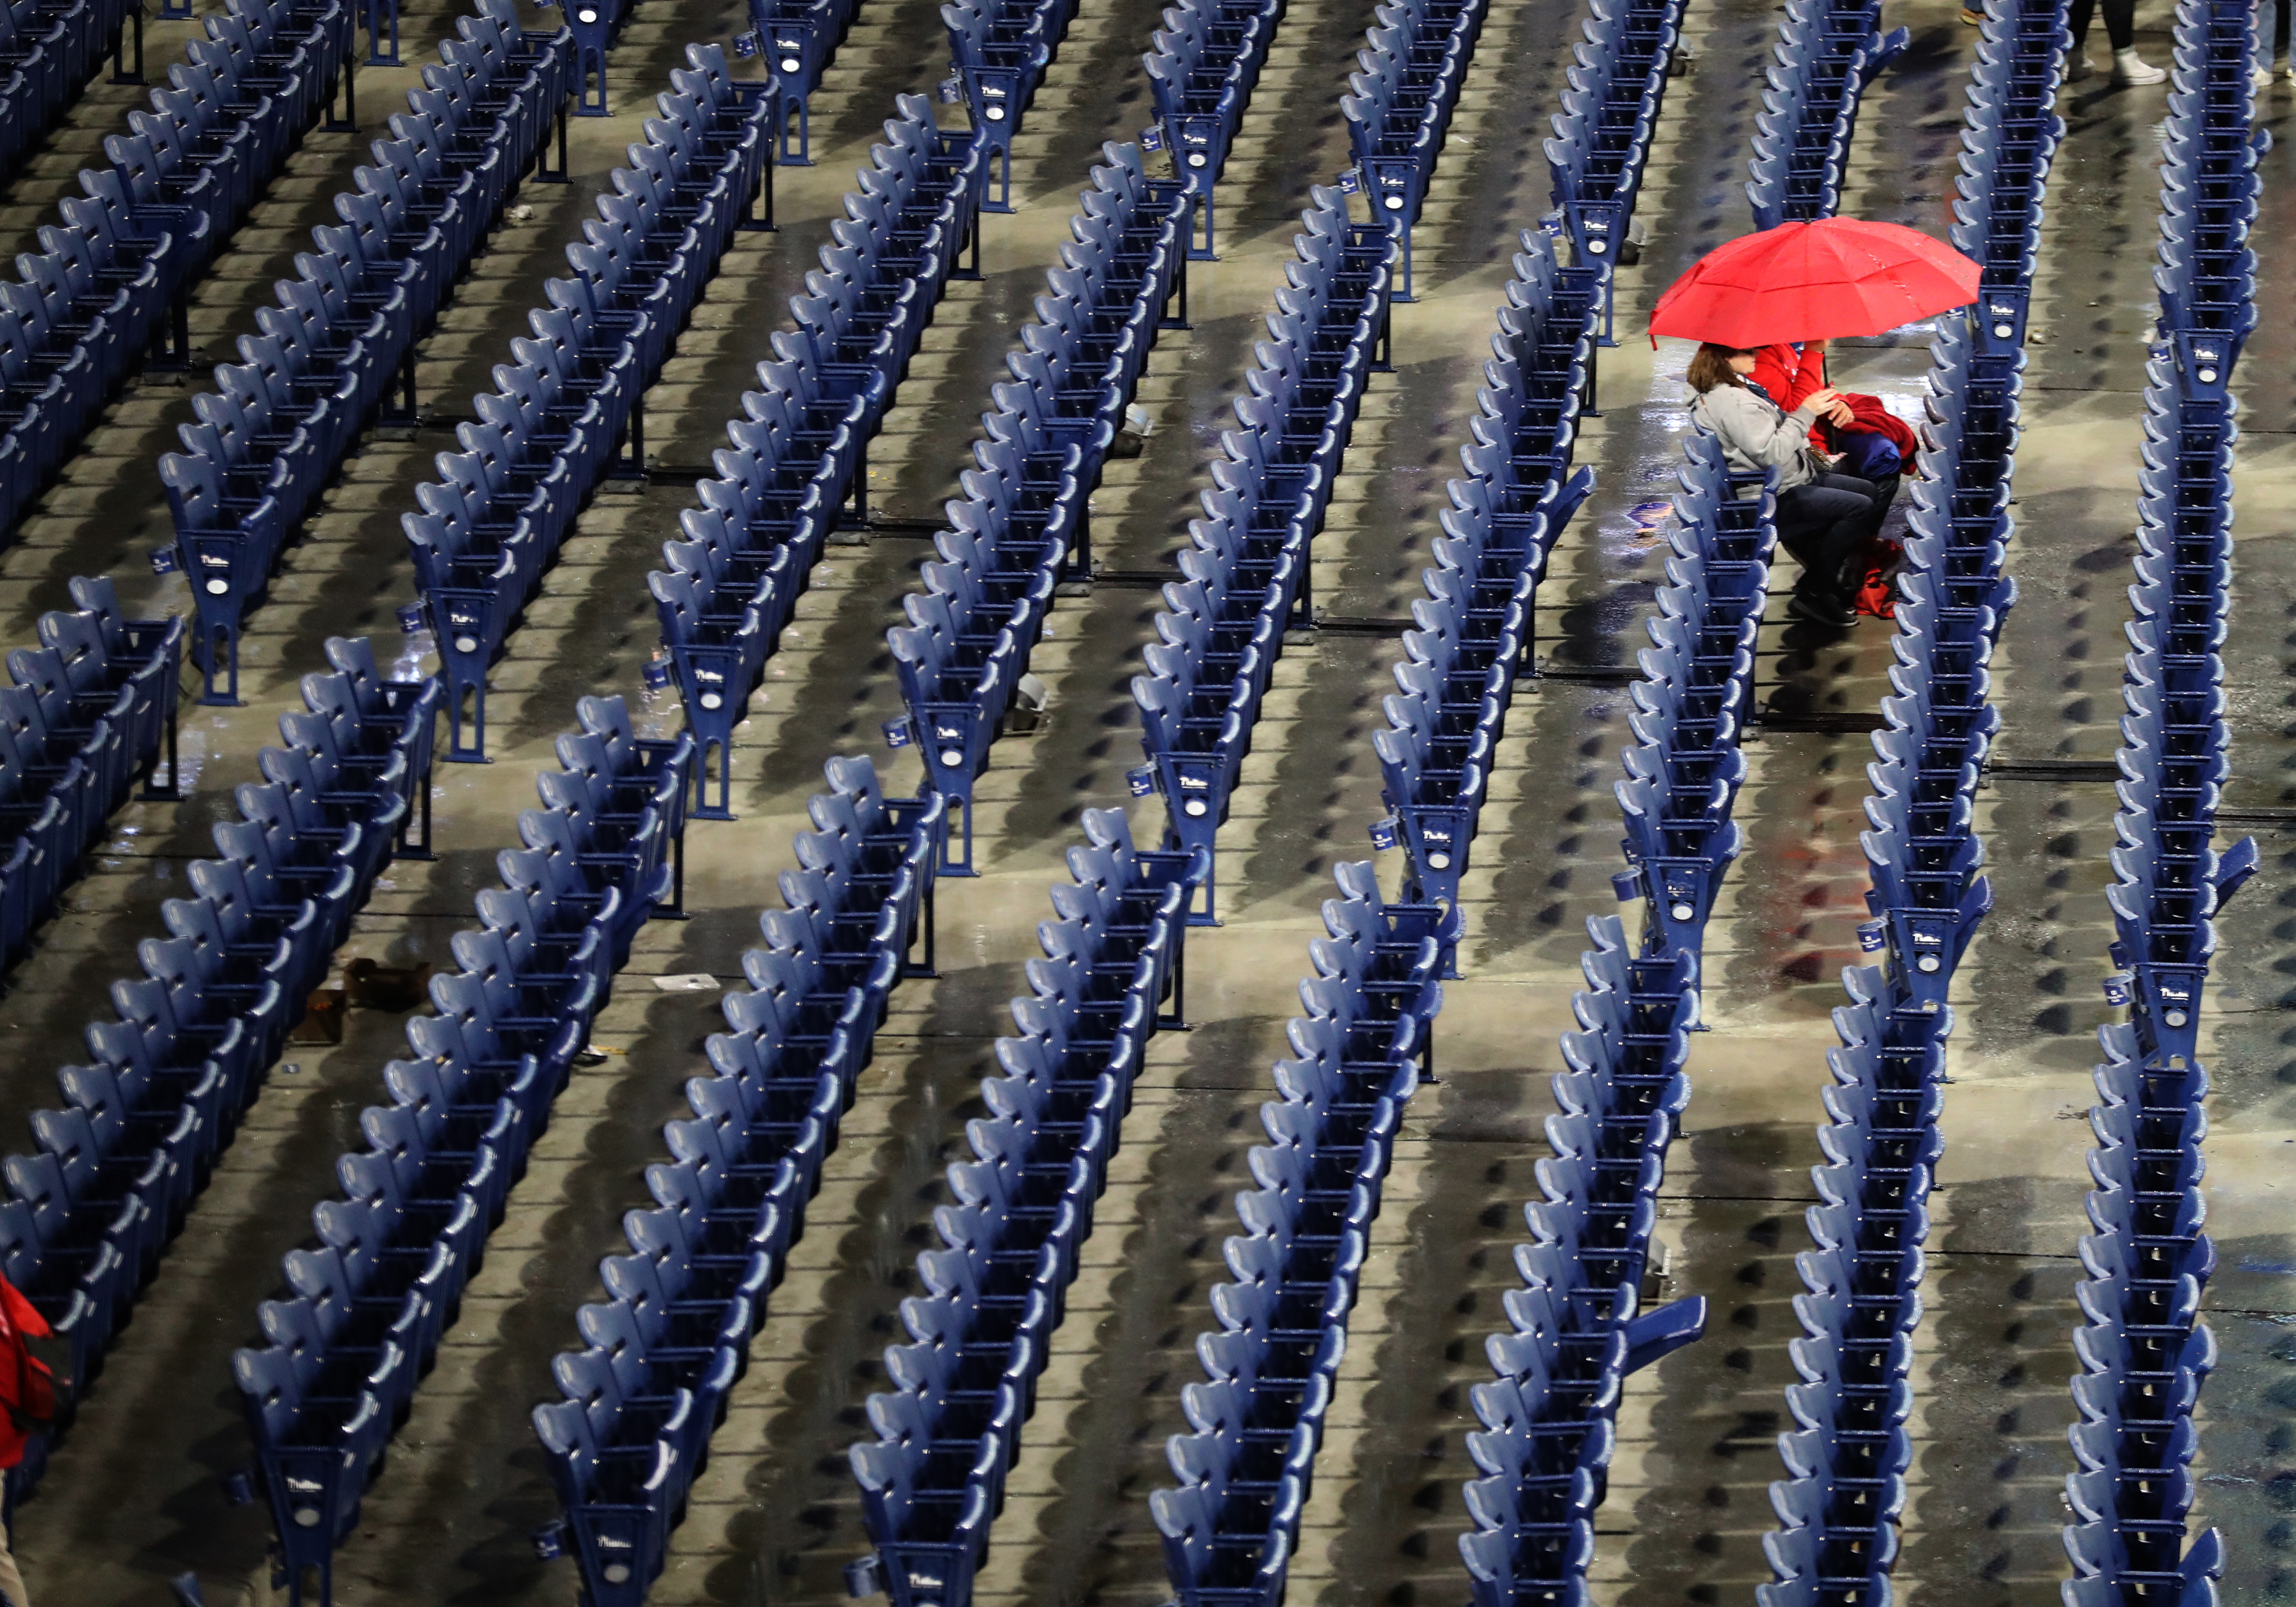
(1824, 518)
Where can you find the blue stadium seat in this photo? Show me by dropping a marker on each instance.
(340, 342)
(1022, 528)
(1549, 1418)
(1411, 67)
(166, 1083)
(1610, 103)
(661, 1356)
(367, 1307)
(1846, 1463)
(90, 712)
(1230, 1527)
(1826, 54)
(48, 53)
(1001, 49)
(2144, 1350)
(1245, 575)
(946, 1431)
(1203, 65)
(797, 38)
(796, 462)
(491, 525)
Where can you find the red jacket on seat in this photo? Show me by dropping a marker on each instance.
(1789, 374)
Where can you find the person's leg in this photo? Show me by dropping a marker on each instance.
(1840, 550)
(1854, 484)
(12, 1583)
(1821, 525)
(2077, 66)
(1880, 492)
(1800, 518)
(1885, 493)
(1864, 550)
(2120, 29)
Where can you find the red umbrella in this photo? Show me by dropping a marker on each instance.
(1809, 281)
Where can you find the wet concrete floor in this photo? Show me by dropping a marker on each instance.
(134, 1496)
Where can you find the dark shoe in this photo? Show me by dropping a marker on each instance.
(1830, 612)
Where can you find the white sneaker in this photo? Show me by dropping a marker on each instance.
(2292, 70)
(2129, 68)
(2077, 67)
(2259, 78)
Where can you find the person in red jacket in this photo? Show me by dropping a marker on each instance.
(26, 1402)
(1793, 373)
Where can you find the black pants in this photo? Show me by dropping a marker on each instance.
(2119, 22)
(1826, 525)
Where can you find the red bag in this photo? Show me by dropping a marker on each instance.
(1877, 591)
